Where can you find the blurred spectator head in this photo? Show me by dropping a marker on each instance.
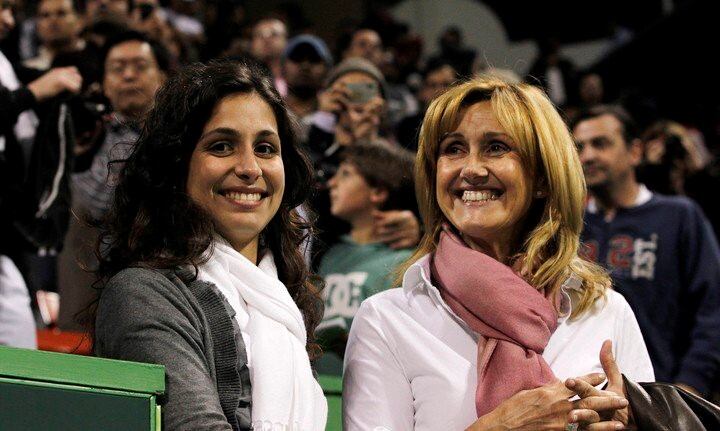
(357, 70)
(438, 76)
(372, 176)
(591, 89)
(609, 149)
(134, 68)
(100, 31)
(269, 37)
(306, 63)
(451, 39)
(7, 17)
(58, 23)
(107, 9)
(361, 115)
(365, 43)
(670, 154)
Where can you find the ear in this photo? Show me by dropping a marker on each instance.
(378, 196)
(636, 152)
(540, 191)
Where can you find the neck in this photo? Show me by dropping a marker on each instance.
(275, 67)
(622, 195)
(64, 47)
(301, 107)
(249, 249)
(363, 229)
(499, 250)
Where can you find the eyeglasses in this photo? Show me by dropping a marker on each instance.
(138, 67)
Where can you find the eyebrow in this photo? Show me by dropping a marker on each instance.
(232, 133)
(486, 135)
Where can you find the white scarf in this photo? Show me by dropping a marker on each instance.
(285, 395)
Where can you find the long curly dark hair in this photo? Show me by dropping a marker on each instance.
(154, 223)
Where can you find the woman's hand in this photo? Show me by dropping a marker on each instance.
(609, 404)
(544, 408)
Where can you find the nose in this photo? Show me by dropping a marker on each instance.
(247, 168)
(332, 182)
(587, 153)
(475, 171)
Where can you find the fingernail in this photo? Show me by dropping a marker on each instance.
(619, 426)
(574, 418)
(571, 382)
(624, 402)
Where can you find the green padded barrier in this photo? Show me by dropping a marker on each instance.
(332, 387)
(57, 391)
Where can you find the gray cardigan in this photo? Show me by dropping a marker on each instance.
(164, 317)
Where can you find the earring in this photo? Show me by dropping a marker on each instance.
(539, 194)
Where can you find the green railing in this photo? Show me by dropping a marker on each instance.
(58, 392)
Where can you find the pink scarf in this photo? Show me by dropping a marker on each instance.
(514, 319)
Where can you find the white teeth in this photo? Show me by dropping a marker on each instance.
(252, 197)
(479, 196)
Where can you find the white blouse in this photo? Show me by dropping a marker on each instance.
(411, 363)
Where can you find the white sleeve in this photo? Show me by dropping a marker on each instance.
(629, 348)
(376, 392)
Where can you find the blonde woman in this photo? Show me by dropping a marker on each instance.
(496, 308)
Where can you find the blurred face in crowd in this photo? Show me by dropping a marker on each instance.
(7, 19)
(98, 9)
(606, 157)
(269, 38)
(236, 171)
(436, 82)
(481, 185)
(354, 113)
(305, 71)
(351, 195)
(366, 44)
(58, 23)
(132, 77)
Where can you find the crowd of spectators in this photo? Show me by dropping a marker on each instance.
(76, 79)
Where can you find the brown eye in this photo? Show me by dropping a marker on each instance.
(498, 148)
(265, 148)
(220, 147)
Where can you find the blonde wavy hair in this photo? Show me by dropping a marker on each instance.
(548, 255)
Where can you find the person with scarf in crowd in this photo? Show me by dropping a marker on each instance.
(201, 257)
(497, 315)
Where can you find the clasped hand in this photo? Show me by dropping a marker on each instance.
(549, 407)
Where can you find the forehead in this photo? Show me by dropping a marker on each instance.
(130, 50)
(477, 119)
(270, 25)
(366, 36)
(243, 112)
(604, 125)
(46, 5)
(444, 73)
(355, 77)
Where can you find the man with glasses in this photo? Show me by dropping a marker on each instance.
(134, 68)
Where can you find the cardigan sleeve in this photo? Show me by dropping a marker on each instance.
(142, 316)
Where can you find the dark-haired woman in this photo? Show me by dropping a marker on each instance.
(201, 256)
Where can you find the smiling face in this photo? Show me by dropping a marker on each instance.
(482, 187)
(236, 171)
